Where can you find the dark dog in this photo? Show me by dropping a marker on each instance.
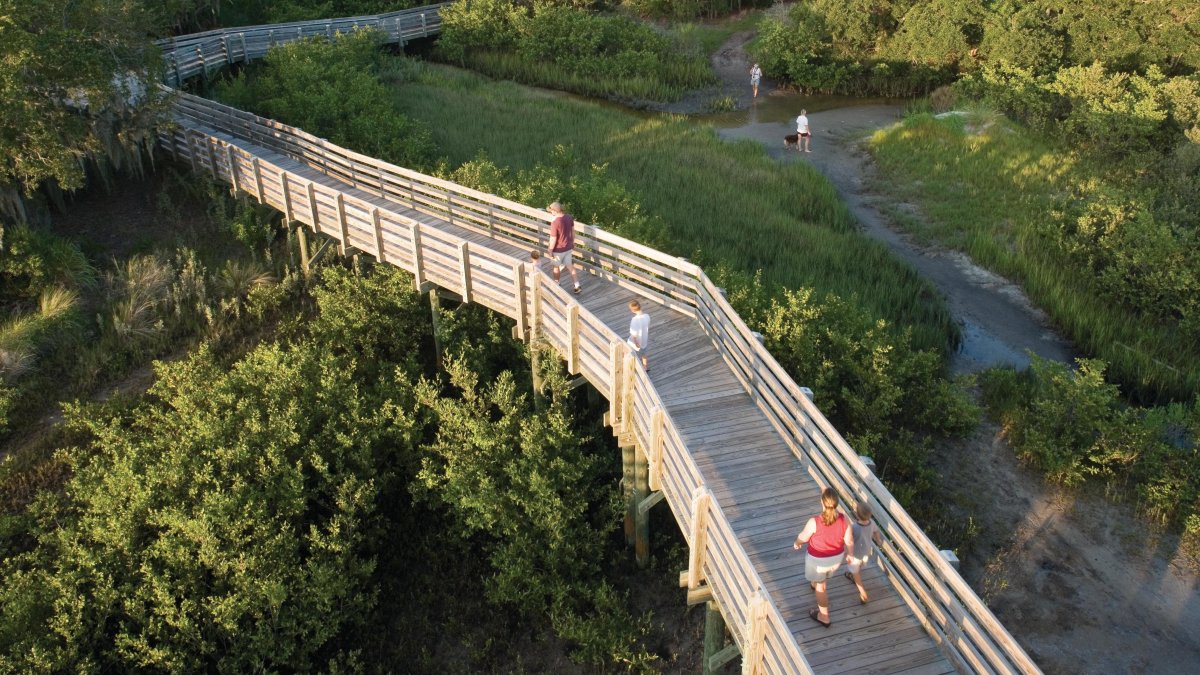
(790, 140)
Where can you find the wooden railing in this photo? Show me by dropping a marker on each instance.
(944, 604)
(202, 53)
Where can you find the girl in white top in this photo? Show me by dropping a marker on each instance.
(755, 78)
(639, 331)
(865, 536)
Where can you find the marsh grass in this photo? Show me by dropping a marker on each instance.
(668, 82)
(722, 203)
(991, 190)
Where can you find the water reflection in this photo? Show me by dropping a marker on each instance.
(779, 107)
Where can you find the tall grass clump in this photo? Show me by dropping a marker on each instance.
(1102, 255)
(571, 49)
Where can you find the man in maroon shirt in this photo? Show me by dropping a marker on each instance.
(562, 242)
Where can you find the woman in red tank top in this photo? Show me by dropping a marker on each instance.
(829, 542)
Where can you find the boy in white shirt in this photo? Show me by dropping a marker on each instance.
(639, 331)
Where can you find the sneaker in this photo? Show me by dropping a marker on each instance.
(577, 289)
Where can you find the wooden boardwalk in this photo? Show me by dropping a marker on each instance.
(729, 442)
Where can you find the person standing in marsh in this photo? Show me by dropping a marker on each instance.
(755, 78)
(802, 132)
(639, 332)
(865, 536)
(829, 541)
(562, 242)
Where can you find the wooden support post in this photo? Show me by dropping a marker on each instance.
(233, 169)
(191, 146)
(641, 491)
(755, 633)
(258, 184)
(203, 65)
(658, 420)
(573, 339)
(314, 215)
(178, 75)
(628, 459)
(418, 266)
(714, 636)
(302, 240)
(464, 271)
(701, 498)
(343, 227)
(535, 369)
(435, 307)
(519, 294)
(375, 218)
(245, 54)
(627, 421)
(287, 197)
(212, 158)
(614, 385)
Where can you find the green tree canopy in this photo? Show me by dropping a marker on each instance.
(75, 79)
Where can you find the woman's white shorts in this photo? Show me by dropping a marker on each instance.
(817, 570)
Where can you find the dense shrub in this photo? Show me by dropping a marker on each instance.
(1073, 425)
(293, 87)
(690, 9)
(224, 524)
(569, 48)
(905, 46)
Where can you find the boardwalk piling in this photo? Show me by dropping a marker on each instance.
(628, 460)
(641, 490)
(714, 636)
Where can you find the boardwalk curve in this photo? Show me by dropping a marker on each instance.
(731, 443)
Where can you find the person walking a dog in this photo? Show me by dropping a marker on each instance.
(562, 242)
(755, 78)
(802, 131)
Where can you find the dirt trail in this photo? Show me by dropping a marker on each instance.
(1080, 582)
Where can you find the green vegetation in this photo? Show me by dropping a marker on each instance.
(690, 9)
(292, 86)
(72, 322)
(865, 335)
(560, 46)
(244, 516)
(65, 99)
(1112, 261)
(1072, 425)
(904, 47)
(254, 12)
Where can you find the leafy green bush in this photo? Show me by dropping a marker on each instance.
(569, 48)
(1072, 425)
(292, 87)
(520, 484)
(33, 260)
(237, 506)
